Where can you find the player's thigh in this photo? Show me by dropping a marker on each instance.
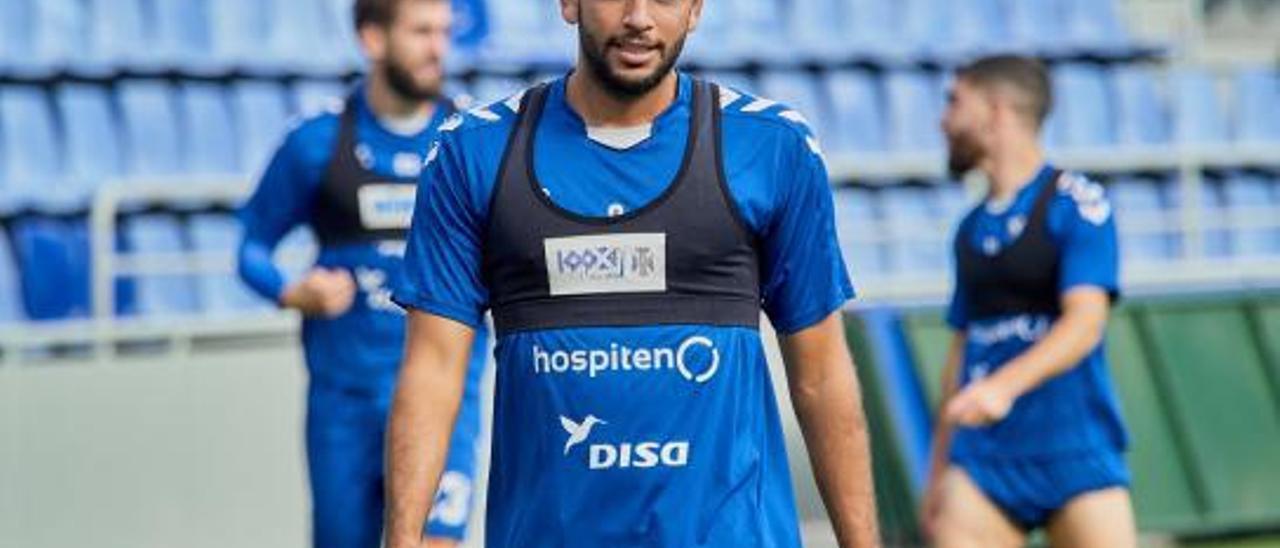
(440, 543)
(968, 518)
(1097, 519)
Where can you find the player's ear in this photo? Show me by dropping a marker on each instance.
(695, 14)
(373, 39)
(569, 11)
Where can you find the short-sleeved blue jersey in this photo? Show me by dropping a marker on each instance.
(1076, 411)
(600, 440)
(360, 349)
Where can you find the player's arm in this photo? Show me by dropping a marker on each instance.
(1072, 337)
(278, 205)
(828, 403)
(428, 392)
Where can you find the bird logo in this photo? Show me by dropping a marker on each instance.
(578, 431)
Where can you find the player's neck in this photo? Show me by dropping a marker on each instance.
(1012, 168)
(599, 108)
(387, 104)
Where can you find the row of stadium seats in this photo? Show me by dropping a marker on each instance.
(906, 229)
(889, 231)
(58, 143)
(102, 37)
(45, 270)
(1194, 472)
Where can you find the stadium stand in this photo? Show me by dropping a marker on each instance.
(112, 94)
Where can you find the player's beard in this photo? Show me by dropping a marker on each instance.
(403, 83)
(963, 154)
(595, 49)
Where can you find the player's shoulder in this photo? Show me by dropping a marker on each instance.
(318, 124)
(765, 119)
(482, 121)
(1080, 198)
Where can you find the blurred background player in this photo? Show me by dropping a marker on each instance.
(626, 240)
(1030, 434)
(349, 175)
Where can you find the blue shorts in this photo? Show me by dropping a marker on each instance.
(1030, 490)
(345, 438)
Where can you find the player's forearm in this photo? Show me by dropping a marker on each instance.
(422, 417)
(835, 432)
(1068, 341)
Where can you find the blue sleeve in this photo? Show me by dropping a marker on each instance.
(805, 279)
(443, 258)
(1086, 235)
(279, 204)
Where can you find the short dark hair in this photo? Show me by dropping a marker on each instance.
(1025, 75)
(376, 12)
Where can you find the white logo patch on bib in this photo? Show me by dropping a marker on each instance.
(614, 263)
(386, 206)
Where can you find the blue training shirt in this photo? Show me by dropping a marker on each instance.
(360, 349)
(1076, 411)
(600, 440)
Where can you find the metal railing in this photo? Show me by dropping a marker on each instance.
(105, 331)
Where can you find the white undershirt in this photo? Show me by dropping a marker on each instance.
(620, 138)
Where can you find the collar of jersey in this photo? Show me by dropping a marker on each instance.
(997, 209)
(559, 111)
(369, 121)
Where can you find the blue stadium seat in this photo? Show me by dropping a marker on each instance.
(800, 92)
(60, 28)
(953, 200)
(714, 42)
(16, 34)
(523, 31)
(239, 32)
(1035, 26)
(1084, 106)
(312, 96)
(10, 287)
(870, 26)
(912, 210)
(975, 26)
(93, 152)
(342, 33)
(818, 27)
(857, 220)
(163, 294)
(150, 128)
(52, 259)
(857, 117)
(210, 144)
(1218, 235)
(1138, 201)
(221, 292)
(1253, 196)
(261, 113)
(758, 22)
(31, 148)
(1257, 105)
(915, 105)
(183, 39)
(1094, 25)
(301, 36)
(1199, 114)
(1142, 118)
(117, 37)
(922, 27)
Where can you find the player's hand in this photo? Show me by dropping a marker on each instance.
(323, 292)
(982, 403)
